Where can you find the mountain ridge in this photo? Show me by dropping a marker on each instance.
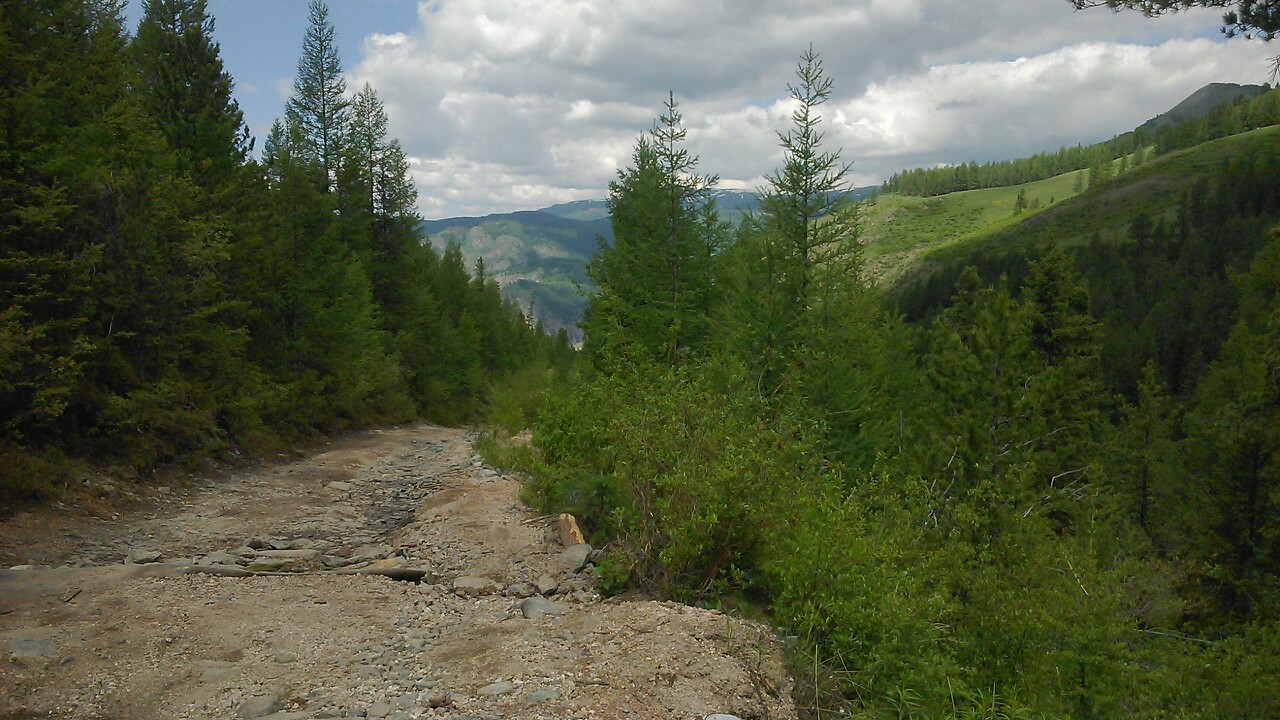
(1202, 102)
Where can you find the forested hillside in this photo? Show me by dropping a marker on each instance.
(1186, 126)
(1037, 478)
(1054, 494)
(167, 297)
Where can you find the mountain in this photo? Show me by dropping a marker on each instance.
(539, 257)
(1202, 102)
(580, 210)
(918, 246)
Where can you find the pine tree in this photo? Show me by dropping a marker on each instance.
(319, 107)
(53, 85)
(187, 90)
(654, 283)
(810, 186)
(1065, 395)
(1144, 461)
(798, 270)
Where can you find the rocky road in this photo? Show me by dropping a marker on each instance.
(388, 575)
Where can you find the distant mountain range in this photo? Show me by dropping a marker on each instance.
(539, 257)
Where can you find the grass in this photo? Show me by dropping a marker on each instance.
(900, 228)
(906, 236)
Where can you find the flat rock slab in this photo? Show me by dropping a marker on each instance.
(30, 648)
(304, 554)
(143, 556)
(474, 586)
(499, 688)
(220, 557)
(259, 706)
(536, 607)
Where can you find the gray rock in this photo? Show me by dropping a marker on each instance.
(260, 705)
(28, 648)
(521, 590)
(141, 556)
(535, 607)
(474, 586)
(546, 585)
(368, 553)
(544, 694)
(439, 700)
(380, 710)
(219, 557)
(498, 688)
(575, 557)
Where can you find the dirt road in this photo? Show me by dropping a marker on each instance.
(265, 594)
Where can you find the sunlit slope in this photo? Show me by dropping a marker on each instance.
(901, 228)
(907, 236)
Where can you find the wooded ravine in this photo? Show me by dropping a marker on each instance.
(997, 441)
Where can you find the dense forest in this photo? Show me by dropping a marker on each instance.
(1046, 486)
(1054, 494)
(167, 297)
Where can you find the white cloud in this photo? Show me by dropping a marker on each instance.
(512, 104)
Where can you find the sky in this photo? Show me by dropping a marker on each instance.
(506, 105)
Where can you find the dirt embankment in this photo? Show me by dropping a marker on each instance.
(272, 594)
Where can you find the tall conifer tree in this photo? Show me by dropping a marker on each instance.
(319, 106)
(187, 90)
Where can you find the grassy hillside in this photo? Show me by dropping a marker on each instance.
(901, 228)
(910, 237)
(1155, 188)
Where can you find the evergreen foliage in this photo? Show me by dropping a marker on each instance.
(319, 107)
(1054, 499)
(166, 297)
(654, 286)
(1057, 498)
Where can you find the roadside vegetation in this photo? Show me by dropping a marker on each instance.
(1048, 491)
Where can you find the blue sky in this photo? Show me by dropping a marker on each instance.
(517, 104)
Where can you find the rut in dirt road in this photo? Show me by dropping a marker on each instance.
(144, 617)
